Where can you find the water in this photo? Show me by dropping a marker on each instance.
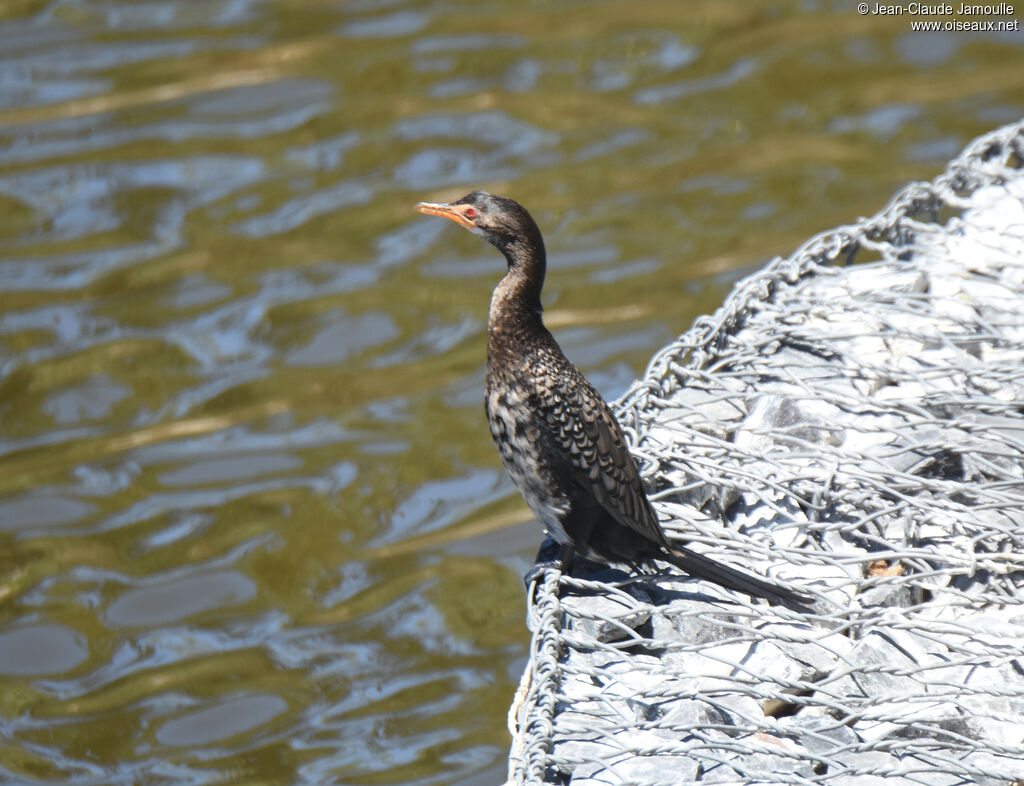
(252, 528)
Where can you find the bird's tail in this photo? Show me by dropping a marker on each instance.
(699, 566)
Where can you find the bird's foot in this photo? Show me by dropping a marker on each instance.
(552, 556)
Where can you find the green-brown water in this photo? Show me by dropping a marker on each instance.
(252, 528)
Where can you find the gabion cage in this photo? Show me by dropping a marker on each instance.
(851, 421)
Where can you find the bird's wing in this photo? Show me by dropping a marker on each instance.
(597, 458)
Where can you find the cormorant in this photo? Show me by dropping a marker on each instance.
(557, 437)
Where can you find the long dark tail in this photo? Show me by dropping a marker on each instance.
(699, 566)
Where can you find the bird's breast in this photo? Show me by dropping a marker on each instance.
(519, 434)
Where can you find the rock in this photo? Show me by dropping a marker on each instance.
(647, 770)
(859, 432)
(606, 618)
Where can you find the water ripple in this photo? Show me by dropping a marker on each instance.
(252, 528)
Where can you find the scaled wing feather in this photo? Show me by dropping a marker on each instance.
(601, 462)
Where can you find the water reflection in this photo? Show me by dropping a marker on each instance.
(225, 719)
(31, 511)
(165, 601)
(251, 524)
(35, 650)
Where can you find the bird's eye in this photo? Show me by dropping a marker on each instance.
(469, 213)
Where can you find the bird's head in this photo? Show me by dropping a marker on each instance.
(501, 221)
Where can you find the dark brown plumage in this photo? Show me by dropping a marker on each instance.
(557, 437)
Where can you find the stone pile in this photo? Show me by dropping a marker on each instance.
(857, 431)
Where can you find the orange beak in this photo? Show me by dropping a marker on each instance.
(454, 212)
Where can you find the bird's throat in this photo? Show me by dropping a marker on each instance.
(514, 321)
(515, 310)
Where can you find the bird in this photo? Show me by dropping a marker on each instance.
(558, 439)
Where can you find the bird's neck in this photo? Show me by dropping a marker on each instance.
(515, 312)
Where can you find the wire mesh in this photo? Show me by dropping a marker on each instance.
(852, 421)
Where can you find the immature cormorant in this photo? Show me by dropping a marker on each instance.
(557, 437)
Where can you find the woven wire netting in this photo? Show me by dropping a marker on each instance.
(850, 421)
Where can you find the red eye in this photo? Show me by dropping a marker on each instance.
(469, 213)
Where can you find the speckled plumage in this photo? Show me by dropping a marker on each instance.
(564, 449)
(557, 437)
